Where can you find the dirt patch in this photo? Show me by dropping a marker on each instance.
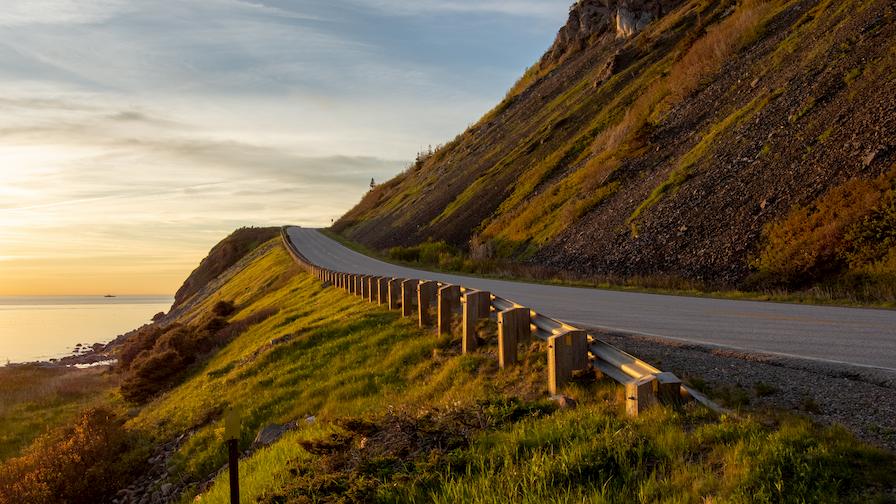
(371, 453)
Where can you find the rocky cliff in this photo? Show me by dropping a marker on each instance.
(720, 141)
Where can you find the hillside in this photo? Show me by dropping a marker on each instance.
(345, 401)
(731, 143)
(224, 255)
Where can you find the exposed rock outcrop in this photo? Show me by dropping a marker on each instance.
(590, 20)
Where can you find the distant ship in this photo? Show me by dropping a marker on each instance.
(108, 295)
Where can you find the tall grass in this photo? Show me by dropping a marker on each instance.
(35, 399)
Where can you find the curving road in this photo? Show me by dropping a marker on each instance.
(861, 337)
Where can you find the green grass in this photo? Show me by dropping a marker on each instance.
(589, 454)
(348, 359)
(482, 434)
(333, 365)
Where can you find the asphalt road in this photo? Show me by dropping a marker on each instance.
(861, 337)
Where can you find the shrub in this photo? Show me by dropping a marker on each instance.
(84, 463)
(223, 308)
(143, 339)
(432, 253)
(158, 367)
(708, 53)
(852, 227)
(151, 373)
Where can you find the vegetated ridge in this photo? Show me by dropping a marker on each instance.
(732, 143)
(224, 255)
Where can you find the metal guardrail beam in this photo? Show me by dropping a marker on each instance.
(637, 376)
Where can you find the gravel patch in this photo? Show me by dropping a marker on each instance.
(861, 399)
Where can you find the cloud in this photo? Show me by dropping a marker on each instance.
(527, 8)
(132, 130)
(55, 12)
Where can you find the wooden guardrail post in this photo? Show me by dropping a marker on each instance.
(382, 291)
(640, 394)
(449, 298)
(408, 293)
(395, 293)
(513, 328)
(365, 286)
(668, 388)
(354, 284)
(372, 286)
(359, 285)
(567, 352)
(477, 305)
(426, 296)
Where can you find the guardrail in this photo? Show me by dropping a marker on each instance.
(570, 350)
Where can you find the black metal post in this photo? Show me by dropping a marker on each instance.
(234, 454)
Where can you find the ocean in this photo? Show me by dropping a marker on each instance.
(43, 327)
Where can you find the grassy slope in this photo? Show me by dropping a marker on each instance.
(347, 358)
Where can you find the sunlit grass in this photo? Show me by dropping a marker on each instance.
(349, 359)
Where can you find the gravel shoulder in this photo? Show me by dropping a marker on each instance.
(861, 399)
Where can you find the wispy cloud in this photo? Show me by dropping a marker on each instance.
(521, 8)
(132, 131)
(54, 12)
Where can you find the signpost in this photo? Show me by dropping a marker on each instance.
(232, 437)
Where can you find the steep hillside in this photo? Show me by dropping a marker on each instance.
(222, 256)
(675, 137)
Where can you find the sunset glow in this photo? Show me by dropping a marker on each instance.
(135, 135)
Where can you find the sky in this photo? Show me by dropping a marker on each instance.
(135, 134)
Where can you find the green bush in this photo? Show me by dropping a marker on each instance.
(431, 253)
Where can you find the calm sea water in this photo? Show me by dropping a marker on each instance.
(43, 327)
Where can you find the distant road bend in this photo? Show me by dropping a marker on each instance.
(856, 336)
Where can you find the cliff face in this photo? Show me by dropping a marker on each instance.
(590, 20)
(674, 138)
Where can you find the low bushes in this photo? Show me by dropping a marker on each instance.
(432, 253)
(84, 463)
(155, 360)
(850, 232)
